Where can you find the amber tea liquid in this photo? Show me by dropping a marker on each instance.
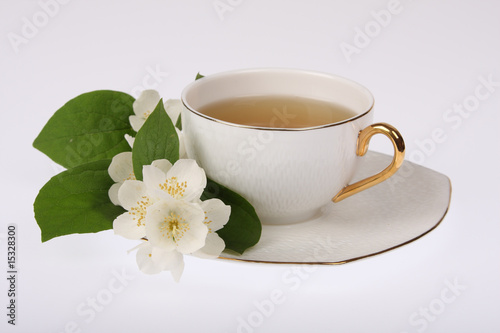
(277, 111)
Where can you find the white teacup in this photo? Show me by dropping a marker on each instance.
(287, 174)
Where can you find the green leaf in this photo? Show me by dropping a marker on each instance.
(157, 139)
(76, 201)
(199, 76)
(243, 229)
(178, 124)
(90, 127)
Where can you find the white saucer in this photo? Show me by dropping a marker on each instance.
(394, 213)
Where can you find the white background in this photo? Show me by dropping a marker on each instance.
(428, 57)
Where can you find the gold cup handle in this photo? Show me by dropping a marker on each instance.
(362, 147)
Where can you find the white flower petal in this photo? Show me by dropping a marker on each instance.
(145, 261)
(130, 139)
(113, 193)
(131, 193)
(184, 180)
(214, 245)
(182, 145)
(146, 103)
(187, 172)
(176, 224)
(153, 177)
(174, 108)
(136, 122)
(127, 225)
(163, 164)
(194, 239)
(177, 271)
(216, 214)
(153, 260)
(157, 229)
(166, 260)
(121, 167)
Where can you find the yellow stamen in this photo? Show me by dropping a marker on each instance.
(174, 226)
(173, 187)
(207, 223)
(139, 211)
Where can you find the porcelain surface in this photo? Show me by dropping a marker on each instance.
(286, 174)
(391, 214)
